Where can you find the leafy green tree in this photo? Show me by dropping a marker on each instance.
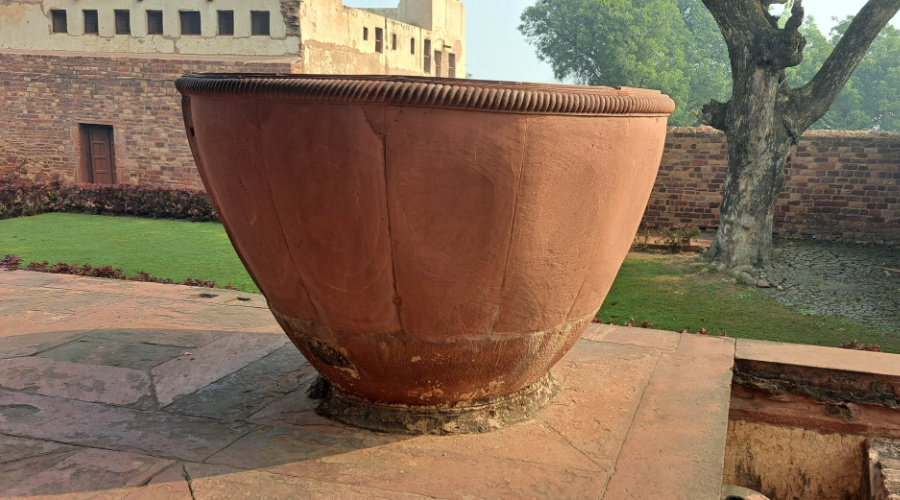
(871, 98)
(671, 45)
(649, 43)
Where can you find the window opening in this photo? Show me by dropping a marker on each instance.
(190, 22)
(426, 51)
(226, 22)
(365, 33)
(154, 22)
(412, 45)
(437, 63)
(60, 22)
(259, 22)
(123, 22)
(451, 65)
(91, 26)
(393, 41)
(379, 40)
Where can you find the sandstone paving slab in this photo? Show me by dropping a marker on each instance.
(384, 467)
(274, 446)
(124, 352)
(293, 409)
(596, 331)
(643, 337)
(88, 471)
(101, 384)
(248, 389)
(27, 344)
(829, 358)
(186, 374)
(16, 448)
(175, 337)
(151, 433)
(44, 299)
(12, 473)
(34, 279)
(602, 386)
(39, 320)
(170, 484)
(168, 292)
(162, 313)
(532, 442)
(676, 444)
(217, 482)
(21, 458)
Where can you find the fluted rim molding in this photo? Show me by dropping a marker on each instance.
(510, 97)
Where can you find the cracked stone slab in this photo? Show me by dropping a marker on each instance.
(602, 386)
(153, 433)
(676, 443)
(90, 471)
(101, 384)
(248, 389)
(186, 374)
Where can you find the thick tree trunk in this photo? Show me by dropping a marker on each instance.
(765, 118)
(755, 177)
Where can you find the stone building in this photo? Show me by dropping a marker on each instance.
(87, 91)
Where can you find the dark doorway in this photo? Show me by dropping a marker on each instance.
(99, 154)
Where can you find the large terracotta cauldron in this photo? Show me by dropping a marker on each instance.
(432, 246)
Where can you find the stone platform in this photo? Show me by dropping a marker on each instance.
(112, 389)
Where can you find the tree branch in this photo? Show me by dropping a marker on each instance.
(714, 114)
(783, 48)
(811, 102)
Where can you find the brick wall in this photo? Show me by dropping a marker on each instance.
(843, 185)
(45, 97)
(840, 184)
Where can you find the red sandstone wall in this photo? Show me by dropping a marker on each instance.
(839, 184)
(44, 97)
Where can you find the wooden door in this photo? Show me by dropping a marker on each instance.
(101, 164)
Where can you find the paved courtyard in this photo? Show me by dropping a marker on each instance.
(112, 389)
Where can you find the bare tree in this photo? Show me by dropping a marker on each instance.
(765, 117)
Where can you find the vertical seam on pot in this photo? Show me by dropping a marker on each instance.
(596, 248)
(398, 302)
(512, 226)
(278, 220)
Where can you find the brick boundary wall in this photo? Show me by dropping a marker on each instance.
(840, 184)
(46, 96)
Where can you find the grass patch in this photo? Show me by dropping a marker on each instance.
(677, 292)
(163, 248)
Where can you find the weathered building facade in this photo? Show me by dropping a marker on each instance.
(87, 91)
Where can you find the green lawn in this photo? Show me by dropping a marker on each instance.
(163, 248)
(674, 292)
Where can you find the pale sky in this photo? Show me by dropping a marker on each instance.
(497, 51)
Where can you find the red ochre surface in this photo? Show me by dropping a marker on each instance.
(428, 254)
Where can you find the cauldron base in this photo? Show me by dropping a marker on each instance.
(466, 417)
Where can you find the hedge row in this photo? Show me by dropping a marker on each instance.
(19, 198)
(12, 262)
